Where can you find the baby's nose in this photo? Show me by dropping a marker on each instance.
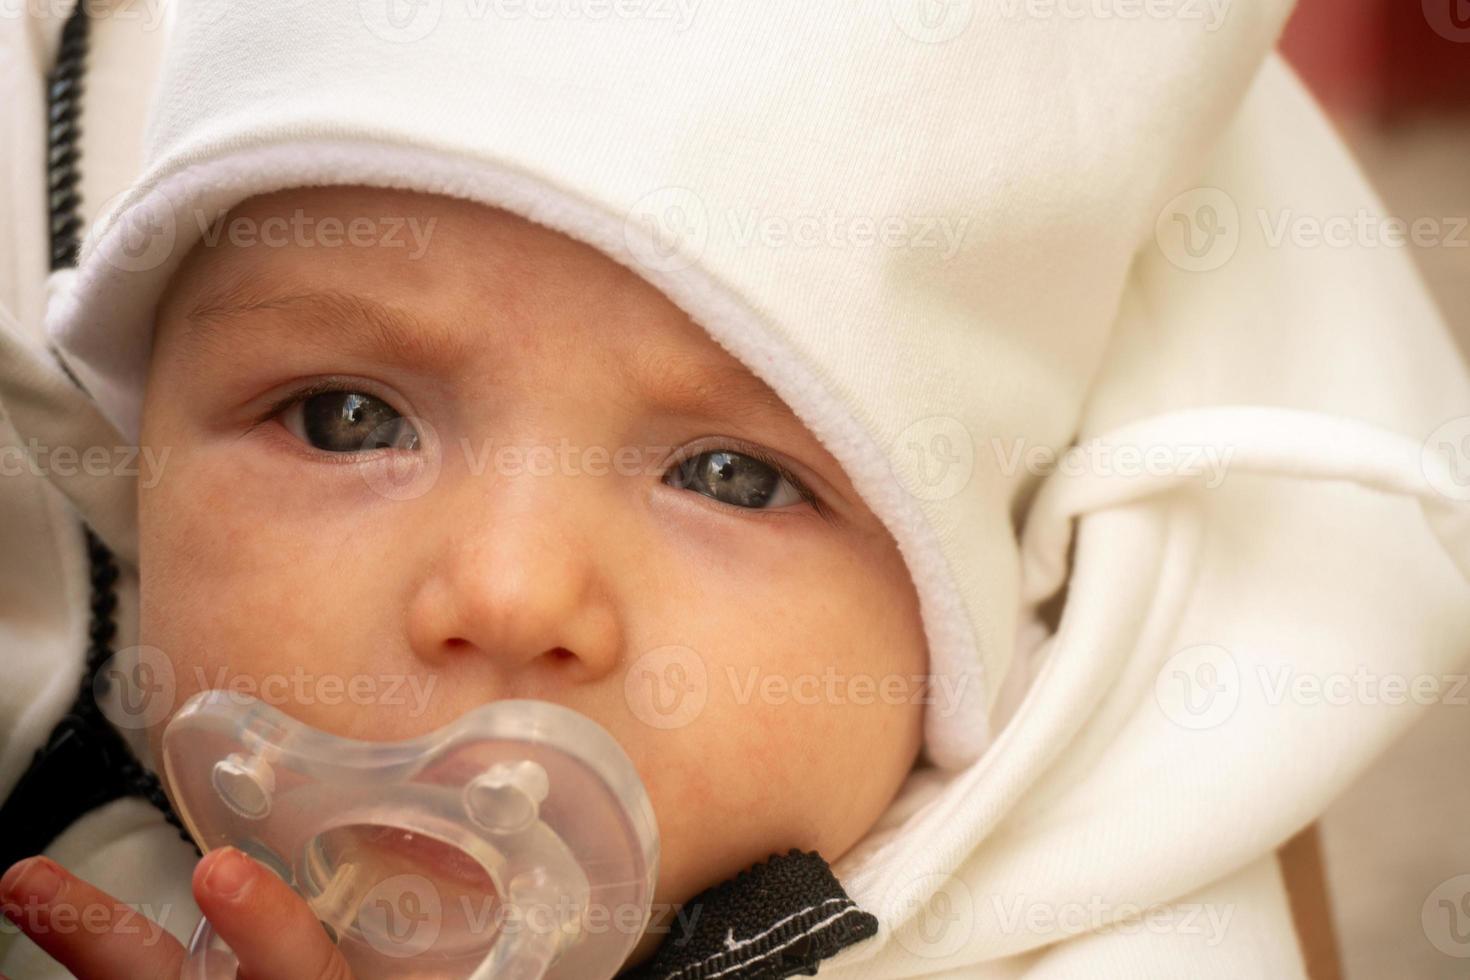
(519, 604)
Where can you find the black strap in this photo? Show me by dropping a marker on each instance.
(777, 919)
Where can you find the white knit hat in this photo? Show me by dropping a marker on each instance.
(939, 290)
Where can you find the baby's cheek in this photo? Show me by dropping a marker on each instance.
(721, 804)
(238, 594)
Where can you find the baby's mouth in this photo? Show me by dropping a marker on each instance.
(399, 851)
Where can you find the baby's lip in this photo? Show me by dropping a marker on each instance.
(439, 859)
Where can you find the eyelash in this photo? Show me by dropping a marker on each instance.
(301, 394)
(736, 445)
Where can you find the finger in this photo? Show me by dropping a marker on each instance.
(83, 928)
(269, 927)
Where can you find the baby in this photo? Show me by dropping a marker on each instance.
(719, 397)
(337, 498)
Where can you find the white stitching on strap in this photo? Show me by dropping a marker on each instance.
(816, 927)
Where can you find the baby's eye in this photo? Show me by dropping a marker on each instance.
(348, 422)
(738, 479)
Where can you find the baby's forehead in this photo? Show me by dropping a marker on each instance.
(450, 264)
(483, 282)
(424, 247)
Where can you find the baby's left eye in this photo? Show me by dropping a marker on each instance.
(737, 479)
(344, 421)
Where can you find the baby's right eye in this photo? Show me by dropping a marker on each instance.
(347, 422)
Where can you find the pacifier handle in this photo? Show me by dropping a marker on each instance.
(526, 956)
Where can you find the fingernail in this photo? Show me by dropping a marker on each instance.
(33, 880)
(229, 874)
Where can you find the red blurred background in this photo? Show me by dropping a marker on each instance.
(1383, 58)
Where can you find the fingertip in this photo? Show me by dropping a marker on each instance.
(271, 929)
(225, 873)
(36, 879)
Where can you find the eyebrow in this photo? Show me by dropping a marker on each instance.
(335, 319)
(678, 382)
(665, 378)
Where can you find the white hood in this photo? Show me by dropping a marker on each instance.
(1268, 489)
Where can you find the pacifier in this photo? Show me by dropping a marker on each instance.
(515, 842)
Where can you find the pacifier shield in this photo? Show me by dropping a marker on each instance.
(498, 845)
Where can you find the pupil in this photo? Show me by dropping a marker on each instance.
(349, 421)
(732, 478)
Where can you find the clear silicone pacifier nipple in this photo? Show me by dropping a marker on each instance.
(516, 841)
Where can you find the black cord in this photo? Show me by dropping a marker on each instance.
(63, 138)
(136, 779)
(64, 90)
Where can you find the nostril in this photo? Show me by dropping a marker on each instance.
(555, 653)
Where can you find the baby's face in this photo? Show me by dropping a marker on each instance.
(560, 498)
